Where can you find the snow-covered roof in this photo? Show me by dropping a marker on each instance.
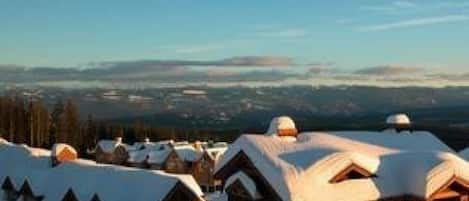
(58, 147)
(280, 123)
(215, 152)
(246, 181)
(111, 183)
(3, 141)
(108, 146)
(416, 164)
(159, 156)
(187, 152)
(400, 119)
(141, 154)
(464, 153)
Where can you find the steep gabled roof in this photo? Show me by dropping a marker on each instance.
(405, 164)
(86, 178)
(187, 152)
(108, 146)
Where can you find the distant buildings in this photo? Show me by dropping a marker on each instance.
(31, 174)
(198, 159)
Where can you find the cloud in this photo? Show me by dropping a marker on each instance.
(244, 61)
(282, 33)
(389, 70)
(415, 23)
(450, 77)
(156, 70)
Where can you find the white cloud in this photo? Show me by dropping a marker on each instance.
(282, 33)
(415, 22)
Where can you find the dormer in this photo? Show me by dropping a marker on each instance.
(282, 126)
(399, 122)
(70, 196)
(351, 172)
(63, 153)
(9, 191)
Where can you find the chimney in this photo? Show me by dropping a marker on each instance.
(198, 145)
(147, 140)
(63, 153)
(399, 122)
(118, 140)
(282, 126)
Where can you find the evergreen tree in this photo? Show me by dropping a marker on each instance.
(55, 121)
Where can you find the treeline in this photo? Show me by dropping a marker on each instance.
(31, 122)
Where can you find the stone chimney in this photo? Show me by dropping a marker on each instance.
(282, 126)
(61, 153)
(399, 122)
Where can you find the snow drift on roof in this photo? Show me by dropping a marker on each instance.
(302, 169)
(280, 123)
(398, 119)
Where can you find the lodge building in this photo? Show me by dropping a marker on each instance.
(397, 164)
(197, 159)
(31, 174)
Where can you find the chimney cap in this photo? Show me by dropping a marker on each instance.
(398, 119)
(119, 139)
(62, 153)
(147, 140)
(282, 126)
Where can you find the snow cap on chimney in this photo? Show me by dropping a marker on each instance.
(399, 122)
(119, 140)
(147, 140)
(282, 126)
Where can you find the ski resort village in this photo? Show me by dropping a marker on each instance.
(283, 164)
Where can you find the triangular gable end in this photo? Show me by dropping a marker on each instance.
(352, 172)
(238, 189)
(241, 162)
(455, 188)
(70, 196)
(181, 192)
(7, 184)
(95, 198)
(26, 189)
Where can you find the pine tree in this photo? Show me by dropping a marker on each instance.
(69, 126)
(55, 121)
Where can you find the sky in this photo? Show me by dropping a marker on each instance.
(346, 35)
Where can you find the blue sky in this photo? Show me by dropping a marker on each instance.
(349, 34)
